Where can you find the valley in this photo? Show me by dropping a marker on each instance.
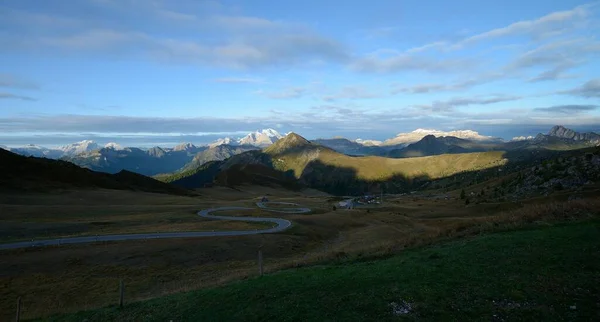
(426, 200)
(212, 160)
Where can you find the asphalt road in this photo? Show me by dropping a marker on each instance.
(282, 224)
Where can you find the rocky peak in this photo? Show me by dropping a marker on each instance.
(565, 133)
(428, 138)
(184, 147)
(156, 152)
(290, 141)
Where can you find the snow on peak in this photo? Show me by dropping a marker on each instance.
(227, 140)
(369, 142)
(114, 146)
(522, 138)
(184, 147)
(79, 147)
(418, 134)
(261, 138)
(33, 147)
(270, 132)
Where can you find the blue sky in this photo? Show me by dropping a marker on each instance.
(160, 72)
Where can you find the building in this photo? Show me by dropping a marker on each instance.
(346, 204)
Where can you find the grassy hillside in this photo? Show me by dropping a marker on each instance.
(193, 178)
(256, 174)
(19, 173)
(323, 168)
(526, 176)
(300, 157)
(547, 274)
(217, 153)
(378, 168)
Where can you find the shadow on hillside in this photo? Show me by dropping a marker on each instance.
(345, 180)
(261, 169)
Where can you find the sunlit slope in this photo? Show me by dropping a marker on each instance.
(298, 155)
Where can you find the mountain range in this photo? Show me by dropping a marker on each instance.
(113, 158)
(316, 166)
(260, 138)
(294, 162)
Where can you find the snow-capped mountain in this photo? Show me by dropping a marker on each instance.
(37, 151)
(522, 138)
(368, 142)
(261, 138)
(79, 147)
(185, 147)
(223, 141)
(114, 146)
(418, 134)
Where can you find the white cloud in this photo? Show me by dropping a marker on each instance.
(590, 89)
(235, 80)
(549, 25)
(449, 105)
(567, 109)
(376, 63)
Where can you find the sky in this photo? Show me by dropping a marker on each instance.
(157, 72)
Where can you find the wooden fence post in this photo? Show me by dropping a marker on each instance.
(18, 318)
(121, 293)
(260, 263)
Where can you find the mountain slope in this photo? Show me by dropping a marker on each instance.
(79, 147)
(30, 173)
(256, 174)
(151, 162)
(558, 138)
(346, 146)
(431, 145)
(323, 168)
(216, 153)
(418, 134)
(199, 177)
(565, 133)
(261, 138)
(37, 151)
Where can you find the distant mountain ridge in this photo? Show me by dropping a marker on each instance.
(348, 147)
(79, 147)
(113, 158)
(147, 162)
(565, 133)
(320, 167)
(418, 134)
(259, 138)
(432, 145)
(217, 153)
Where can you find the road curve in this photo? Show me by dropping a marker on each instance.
(281, 225)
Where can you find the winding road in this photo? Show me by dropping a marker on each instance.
(281, 225)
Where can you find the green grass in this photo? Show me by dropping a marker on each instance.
(521, 275)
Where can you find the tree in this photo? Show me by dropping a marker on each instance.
(462, 194)
(467, 201)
